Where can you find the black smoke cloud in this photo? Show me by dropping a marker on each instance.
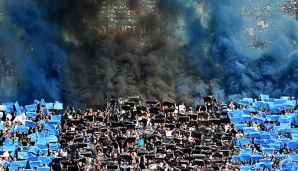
(117, 64)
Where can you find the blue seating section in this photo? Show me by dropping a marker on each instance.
(267, 112)
(38, 156)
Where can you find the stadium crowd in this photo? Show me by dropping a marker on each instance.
(128, 135)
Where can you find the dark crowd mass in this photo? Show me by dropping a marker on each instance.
(130, 135)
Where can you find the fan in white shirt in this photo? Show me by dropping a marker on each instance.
(169, 132)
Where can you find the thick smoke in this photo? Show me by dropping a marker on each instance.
(189, 23)
(31, 43)
(117, 64)
(252, 46)
(255, 51)
(182, 51)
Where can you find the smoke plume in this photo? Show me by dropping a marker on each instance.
(178, 50)
(252, 46)
(140, 61)
(32, 44)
